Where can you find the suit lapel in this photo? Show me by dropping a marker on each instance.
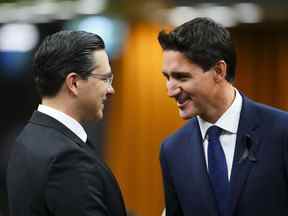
(197, 165)
(245, 156)
(47, 121)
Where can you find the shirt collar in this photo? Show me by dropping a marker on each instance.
(68, 121)
(229, 120)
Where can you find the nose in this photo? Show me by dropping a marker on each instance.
(110, 90)
(172, 88)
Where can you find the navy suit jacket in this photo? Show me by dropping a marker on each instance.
(259, 178)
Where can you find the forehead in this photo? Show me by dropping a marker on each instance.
(175, 61)
(101, 61)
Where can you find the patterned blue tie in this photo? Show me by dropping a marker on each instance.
(218, 169)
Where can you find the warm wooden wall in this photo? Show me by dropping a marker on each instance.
(140, 115)
(263, 62)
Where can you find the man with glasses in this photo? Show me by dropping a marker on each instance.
(53, 169)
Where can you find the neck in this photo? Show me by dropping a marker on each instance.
(221, 102)
(61, 105)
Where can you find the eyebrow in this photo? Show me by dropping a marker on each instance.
(106, 75)
(177, 73)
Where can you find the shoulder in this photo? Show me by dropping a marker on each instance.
(271, 120)
(38, 147)
(45, 142)
(266, 112)
(181, 135)
(184, 131)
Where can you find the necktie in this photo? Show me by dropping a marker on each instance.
(218, 169)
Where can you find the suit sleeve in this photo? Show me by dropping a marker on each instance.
(172, 204)
(74, 186)
(285, 144)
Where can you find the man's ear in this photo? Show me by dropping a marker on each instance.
(220, 70)
(72, 83)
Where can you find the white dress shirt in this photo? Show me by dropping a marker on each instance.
(66, 120)
(229, 122)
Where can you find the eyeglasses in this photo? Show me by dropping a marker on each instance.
(108, 79)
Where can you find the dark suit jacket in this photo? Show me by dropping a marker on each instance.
(52, 172)
(259, 180)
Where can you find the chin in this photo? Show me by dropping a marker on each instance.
(96, 117)
(99, 115)
(186, 115)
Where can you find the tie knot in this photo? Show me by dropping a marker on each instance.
(214, 132)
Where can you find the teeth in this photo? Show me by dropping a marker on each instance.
(182, 97)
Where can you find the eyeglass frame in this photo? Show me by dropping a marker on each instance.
(107, 78)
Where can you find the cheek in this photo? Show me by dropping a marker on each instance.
(190, 87)
(200, 86)
(96, 91)
(101, 88)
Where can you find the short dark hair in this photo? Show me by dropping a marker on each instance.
(61, 53)
(204, 42)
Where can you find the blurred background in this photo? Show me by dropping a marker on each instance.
(140, 115)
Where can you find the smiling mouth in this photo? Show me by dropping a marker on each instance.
(182, 99)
